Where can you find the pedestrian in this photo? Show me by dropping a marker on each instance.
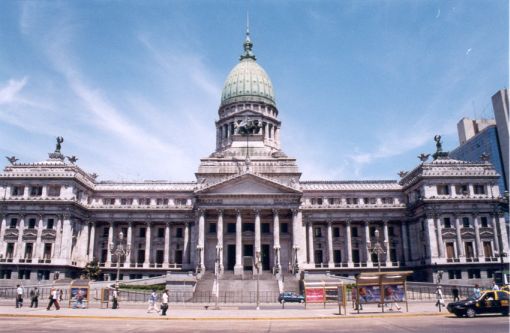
(495, 286)
(476, 291)
(19, 296)
(164, 302)
(439, 298)
(60, 295)
(115, 298)
(34, 298)
(54, 296)
(152, 302)
(455, 294)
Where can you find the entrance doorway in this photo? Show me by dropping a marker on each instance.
(247, 253)
(265, 257)
(178, 257)
(231, 256)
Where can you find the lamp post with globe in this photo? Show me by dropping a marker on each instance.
(120, 250)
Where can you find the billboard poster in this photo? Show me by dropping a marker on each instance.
(368, 294)
(314, 295)
(79, 297)
(394, 293)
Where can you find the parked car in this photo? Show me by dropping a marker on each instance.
(490, 301)
(289, 296)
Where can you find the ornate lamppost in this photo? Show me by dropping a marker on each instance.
(378, 249)
(216, 288)
(121, 249)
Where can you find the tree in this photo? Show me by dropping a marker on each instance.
(92, 270)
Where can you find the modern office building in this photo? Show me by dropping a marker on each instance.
(248, 201)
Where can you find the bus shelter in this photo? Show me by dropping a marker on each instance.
(326, 292)
(381, 288)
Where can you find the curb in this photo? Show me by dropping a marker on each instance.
(338, 317)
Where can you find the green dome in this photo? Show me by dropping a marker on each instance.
(247, 81)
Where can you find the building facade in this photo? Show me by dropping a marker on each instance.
(248, 202)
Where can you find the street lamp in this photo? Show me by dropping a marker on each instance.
(257, 266)
(378, 249)
(216, 275)
(120, 250)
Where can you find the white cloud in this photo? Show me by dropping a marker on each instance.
(9, 93)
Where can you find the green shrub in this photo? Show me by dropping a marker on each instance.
(134, 287)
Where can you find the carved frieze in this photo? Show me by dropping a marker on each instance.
(11, 234)
(48, 234)
(29, 234)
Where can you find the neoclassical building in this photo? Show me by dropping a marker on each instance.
(248, 202)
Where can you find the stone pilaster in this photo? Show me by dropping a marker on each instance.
(186, 245)
(348, 242)
(238, 268)
(148, 236)
(387, 243)
(439, 232)
(92, 241)
(367, 244)
(219, 238)
(476, 223)
(311, 254)
(460, 245)
(276, 240)
(257, 231)
(39, 245)
(331, 261)
(166, 250)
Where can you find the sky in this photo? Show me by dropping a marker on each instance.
(362, 86)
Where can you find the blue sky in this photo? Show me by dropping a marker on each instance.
(134, 86)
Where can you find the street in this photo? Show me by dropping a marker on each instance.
(438, 324)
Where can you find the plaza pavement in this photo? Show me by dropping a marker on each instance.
(225, 312)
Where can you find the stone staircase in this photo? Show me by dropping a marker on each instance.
(291, 283)
(237, 289)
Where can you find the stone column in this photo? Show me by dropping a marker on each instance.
(504, 237)
(129, 242)
(431, 235)
(2, 235)
(58, 238)
(257, 231)
(387, 244)
(367, 244)
(67, 234)
(92, 241)
(238, 268)
(476, 224)
(185, 250)
(276, 240)
(440, 245)
(84, 240)
(201, 238)
(219, 236)
(331, 261)
(298, 237)
(311, 254)
(166, 250)
(146, 262)
(39, 245)
(110, 241)
(495, 233)
(460, 246)
(348, 243)
(19, 246)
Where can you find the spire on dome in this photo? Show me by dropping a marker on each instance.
(248, 54)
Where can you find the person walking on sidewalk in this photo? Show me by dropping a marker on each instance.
(19, 296)
(439, 298)
(152, 302)
(34, 298)
(476, 291)
(54, 296)
(164, 302)
(455, 294)
(115, 297)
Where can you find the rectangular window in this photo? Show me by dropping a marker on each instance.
(365, 201)
(231, 228)
(470, 252)
(31, 223)
(35, 191)
(47, 251)
(161, 232)
(17, 191)
(265, 228)
(317, 232)
(336, 232)
(473, 273)
(248, 227)
(354, 201)
(29, 249)
(479, 189)
(106, 230)
(447, 222)
(144, 201)
(455, 274)
(490, 273)
(450, 251)
(108, 201)
(13, 224)
(178, 233)
(54, 190)
(443, 190)
(373, 201)
(161, 202)
(487, 249)
(49, 224)
(126, 201)
(483, 221)
(391, 231)
(461, 190)
(354, 231)
(212, 228)
(141, 232)
(465, 222)
(372, 231)
(9, 252)
(284, 228)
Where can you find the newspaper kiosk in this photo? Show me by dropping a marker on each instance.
(380, 288)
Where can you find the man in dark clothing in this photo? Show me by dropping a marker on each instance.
(455, 294)
(34, 298)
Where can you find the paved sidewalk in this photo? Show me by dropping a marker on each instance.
(226, 312)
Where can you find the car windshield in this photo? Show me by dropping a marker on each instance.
(472, 298)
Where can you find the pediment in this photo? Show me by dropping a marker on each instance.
(248, 184)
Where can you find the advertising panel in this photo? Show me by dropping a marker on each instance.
(314, 295)
(368, 294)
(394, 293)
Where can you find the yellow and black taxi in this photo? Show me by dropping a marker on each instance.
(490, 301)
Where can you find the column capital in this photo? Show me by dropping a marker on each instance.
(329, 222)
(257, 211)
(295, 211)
(220, 211)
(348, 223)
(275, 211)
(200, 212)
(238, 212)
(366, 223)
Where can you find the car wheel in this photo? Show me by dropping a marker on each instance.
(470, 313)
